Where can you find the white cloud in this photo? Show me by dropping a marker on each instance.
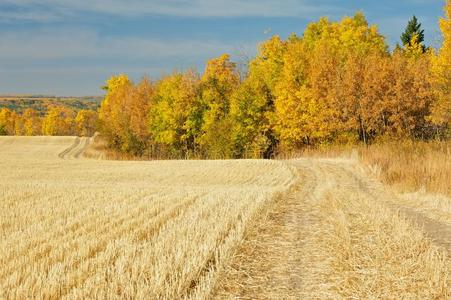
(77, 62)
(10, 17)
(184, 8)
(54, 44)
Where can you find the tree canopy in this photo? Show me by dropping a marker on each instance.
(335, 83)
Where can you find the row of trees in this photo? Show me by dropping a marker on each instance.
(57, 121)
(337, 83)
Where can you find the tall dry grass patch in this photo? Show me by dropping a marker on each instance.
(406, 165)
(411, 166)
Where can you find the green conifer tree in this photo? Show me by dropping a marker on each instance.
(413, 28)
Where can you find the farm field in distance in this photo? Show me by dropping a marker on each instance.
(41, 103)
(78, 228)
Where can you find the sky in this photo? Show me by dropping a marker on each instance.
(70, 47)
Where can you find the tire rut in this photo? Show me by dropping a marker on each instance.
(277, 259)
(272, 261)
(70, 148)
(438, 232)
(76, 150)
(352, 176)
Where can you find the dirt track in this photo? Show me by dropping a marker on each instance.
(278, 259)
(76, 150)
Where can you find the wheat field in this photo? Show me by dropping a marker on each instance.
(73, 227)
(78, 229)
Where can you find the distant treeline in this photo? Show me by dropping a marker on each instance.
(41, 104)
(337, 83)
(58, 120)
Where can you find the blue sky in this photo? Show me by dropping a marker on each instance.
(70, 47)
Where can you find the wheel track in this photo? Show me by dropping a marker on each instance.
(70, 148)
(277, 254)
(77, 148)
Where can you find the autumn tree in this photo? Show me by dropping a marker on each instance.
(252, 104)
(18, 123)
(59, 121)
(174, 120)
(111, 110)
(3, 121)
(7, 122)
(86, 122)
(218, 82)
(32, 122)
(138, 104)
(441, 74)
(312, 104)
(123, 114)
(293, 98)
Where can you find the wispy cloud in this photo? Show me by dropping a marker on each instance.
(55, 44)
(182, 8)
(77, 62)
(72, 46)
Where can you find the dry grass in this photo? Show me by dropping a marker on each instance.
(337, 241)
(407, 166)
(79, 229)
(370, 252)
(99, 149)
(412, 166)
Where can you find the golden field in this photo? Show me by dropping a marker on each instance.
(309, 228)
(85, 228)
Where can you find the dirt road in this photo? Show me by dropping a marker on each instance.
(329, 230)
(76, 150)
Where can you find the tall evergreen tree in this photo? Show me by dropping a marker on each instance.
(413, 28)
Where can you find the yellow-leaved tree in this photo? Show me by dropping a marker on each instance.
(59, 121)
(32, 122)
(218, 82)
(123, 114)
(111, 109)
(86, 121)
(441, 70)
(172, 118)
(6, 122)
(315, 103)
(293, 101)
(252, 104)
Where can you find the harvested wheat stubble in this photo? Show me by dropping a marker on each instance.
(80, 228)
(75, 228)
(336, 237)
